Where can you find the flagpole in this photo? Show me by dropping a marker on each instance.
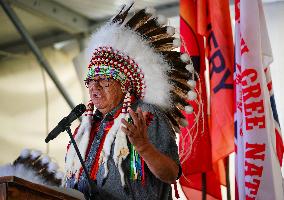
(228, 178)
(203, 178)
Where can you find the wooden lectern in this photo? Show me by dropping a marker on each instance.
(12, 188)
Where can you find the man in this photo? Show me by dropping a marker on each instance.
(128, 143)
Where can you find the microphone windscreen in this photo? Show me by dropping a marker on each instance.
(79, 110)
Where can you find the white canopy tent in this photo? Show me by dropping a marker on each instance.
(59, 28)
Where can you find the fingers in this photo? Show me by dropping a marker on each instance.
(145, 115)
(138, 127)
(128, 126)
(126, 131)
(133, 116)
(140, 116)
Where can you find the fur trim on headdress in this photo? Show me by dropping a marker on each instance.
(31, 165)
(121, 150)
(72, 163)
(115, 135)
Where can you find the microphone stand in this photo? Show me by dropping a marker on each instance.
(93, 191)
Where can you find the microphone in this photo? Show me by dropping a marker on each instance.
(66, 121)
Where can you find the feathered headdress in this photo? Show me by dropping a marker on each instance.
(35, 167)
(139, 53)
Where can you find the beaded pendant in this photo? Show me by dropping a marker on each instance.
(136, 166)
(136, 163)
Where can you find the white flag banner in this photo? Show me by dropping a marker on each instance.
(259, 146)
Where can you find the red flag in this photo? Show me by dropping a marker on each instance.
(216, 27)
(220, 54)
(194, 145)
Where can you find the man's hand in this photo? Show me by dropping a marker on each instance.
(137, 131)
(159, 164)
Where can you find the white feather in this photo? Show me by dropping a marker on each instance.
(185, 57)
(176, 43)
(162, 20)
(191, 95)
(52, 167)
(189, 68)
(59, 175)
(25, 173)
(25, 153)
(35, 154)
(22, 172)
(45, 159)
(7, 170)
(126, 4)
(171, 30)
(191, 83)
(188, 109)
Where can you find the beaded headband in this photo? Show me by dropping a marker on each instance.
(115, 64)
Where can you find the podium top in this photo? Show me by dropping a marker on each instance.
(19, 186)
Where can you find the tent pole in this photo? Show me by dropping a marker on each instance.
(37, 52)
(203, 178)
(228, 178)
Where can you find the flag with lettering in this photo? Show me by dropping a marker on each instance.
(258, 142)
(214, 24)
(195, 141)
(216, 27)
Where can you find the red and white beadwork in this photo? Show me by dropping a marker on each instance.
(117, 65)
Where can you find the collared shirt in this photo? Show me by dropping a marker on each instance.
(160, 135)
(98, 132)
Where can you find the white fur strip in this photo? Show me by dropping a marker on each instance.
(82, 139)
(109, 140)
(120, 146)
(121, 172)
(121, 150)
(115, 134)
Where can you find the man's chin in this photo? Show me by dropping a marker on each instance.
(98, 106)
(98, 103)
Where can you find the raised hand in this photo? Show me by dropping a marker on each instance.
(137, 131)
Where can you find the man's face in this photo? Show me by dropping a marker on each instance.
(105, 93)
